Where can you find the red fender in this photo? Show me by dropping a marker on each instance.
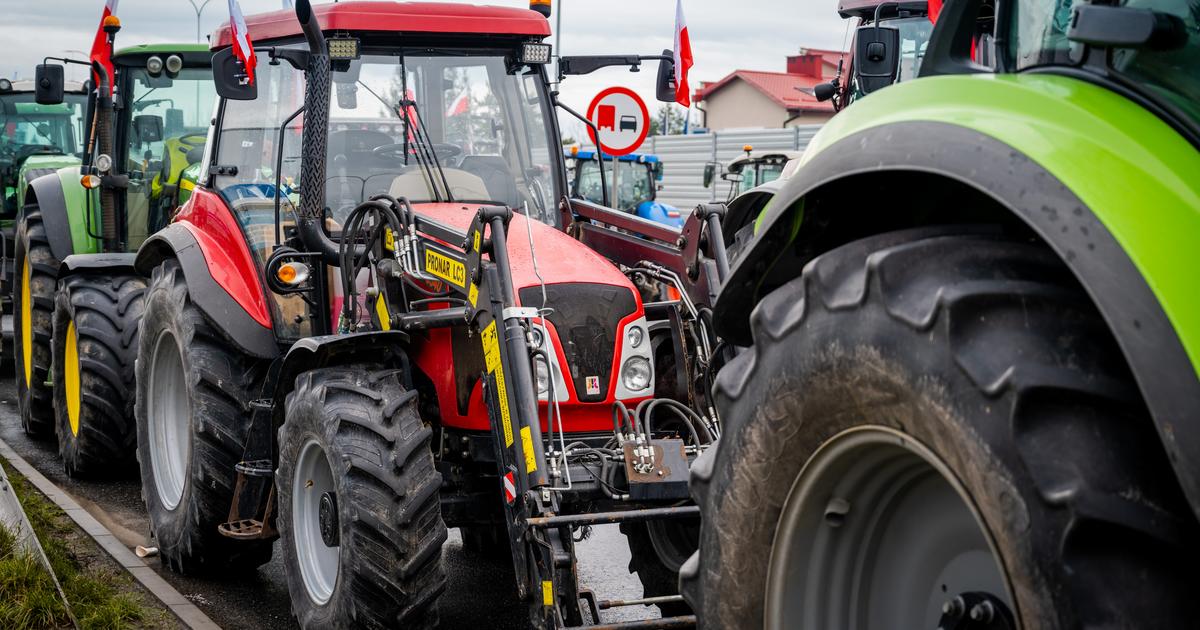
(232, 265)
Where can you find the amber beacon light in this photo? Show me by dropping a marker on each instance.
(541, 6)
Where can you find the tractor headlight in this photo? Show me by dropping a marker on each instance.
(535, 335)
(103, 163)
(542, 373)
(635, 374)
(174, 64)
(635, 335)
(154, 65)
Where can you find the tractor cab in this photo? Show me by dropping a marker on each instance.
(156, 125)
(752, 170)
(892, 36)
(34, 137)
(635, 177)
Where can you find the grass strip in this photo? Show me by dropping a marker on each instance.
(100, 595)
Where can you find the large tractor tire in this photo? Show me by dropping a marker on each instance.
(33, 304)
(931, 425)
(359, 515)
(96, 319)
(193, 393)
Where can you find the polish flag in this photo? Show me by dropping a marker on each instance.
(101, 51)
(683, 57)
(243, 48)
(459, 105)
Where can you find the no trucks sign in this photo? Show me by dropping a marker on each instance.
(622, 118)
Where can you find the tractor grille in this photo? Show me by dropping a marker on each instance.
(586, 318)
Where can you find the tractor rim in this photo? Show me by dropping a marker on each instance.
(877, 533)
(71, 378)
(169, 421)
(318, 560)
(26, 324)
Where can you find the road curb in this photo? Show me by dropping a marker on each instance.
(186, 611)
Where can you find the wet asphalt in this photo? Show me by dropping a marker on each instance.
(480, 595)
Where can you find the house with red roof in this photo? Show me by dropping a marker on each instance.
(756, 99)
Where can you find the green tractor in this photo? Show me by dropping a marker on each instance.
(77, 298)
(969, 393)
(35, 140)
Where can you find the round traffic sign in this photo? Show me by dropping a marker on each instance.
(622, 118)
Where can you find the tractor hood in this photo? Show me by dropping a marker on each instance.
(560, 258)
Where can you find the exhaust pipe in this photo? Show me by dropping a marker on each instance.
(315, 139)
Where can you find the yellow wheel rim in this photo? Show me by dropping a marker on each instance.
(71, 378)
(26, 324)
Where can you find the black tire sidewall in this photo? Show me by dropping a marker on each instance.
(163, 316)
(337, 610)
(84, 454)
(37, 420)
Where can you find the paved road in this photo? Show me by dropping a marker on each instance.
(479, 594)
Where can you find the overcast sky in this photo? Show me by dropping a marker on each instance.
(726, 34)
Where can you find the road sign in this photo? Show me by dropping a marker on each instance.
(622, 118)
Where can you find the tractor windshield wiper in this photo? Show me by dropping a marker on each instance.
(422, 149)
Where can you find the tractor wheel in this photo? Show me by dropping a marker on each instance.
(192, 409)
(935, 424)
(359, 516)
(33, 304)
(96, 321)
(657, 550)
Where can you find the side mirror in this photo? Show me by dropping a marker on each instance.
(148, 128)
(824, 91)
(48, 84)
(230, 77)
(710, 173)
(876, 57)
(665, 88)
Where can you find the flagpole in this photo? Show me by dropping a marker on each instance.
(557, 41)
(198, 9)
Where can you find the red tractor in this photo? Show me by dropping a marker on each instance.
(379, 317)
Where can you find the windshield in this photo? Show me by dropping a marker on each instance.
(430, 127)
(634, 183)
(914, 38)
(27, 128)
(1039, 38)
(166, 127)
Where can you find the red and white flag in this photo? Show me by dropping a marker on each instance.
(243, 48)
(459, 105)
(683, 57)
(101, 51)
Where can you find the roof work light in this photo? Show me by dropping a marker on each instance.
(343, 48)
(535, 54)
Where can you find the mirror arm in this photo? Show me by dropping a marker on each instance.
(590, 63)
(599, 156)
(297, 58)
(67, 60)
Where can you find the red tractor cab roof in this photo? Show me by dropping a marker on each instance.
(865, 9)
(394, 17)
